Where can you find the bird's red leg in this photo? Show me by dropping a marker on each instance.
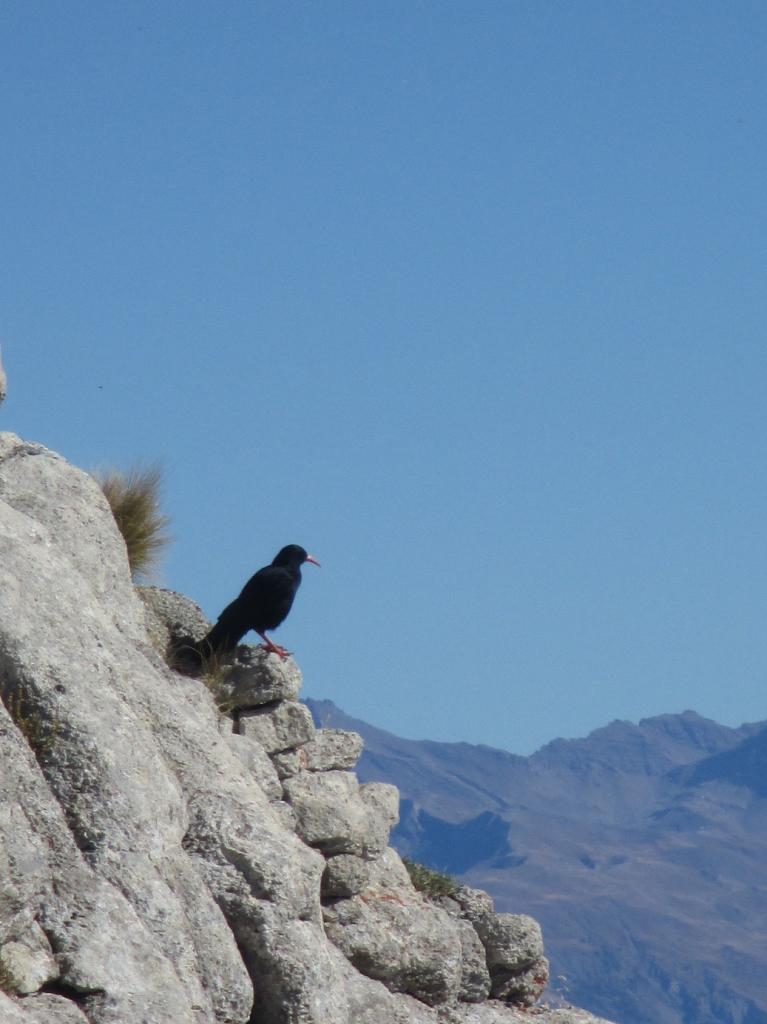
(271, 646)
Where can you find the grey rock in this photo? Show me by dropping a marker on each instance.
(475, 977)
(337, 815)
(388, 872)
(521, 987)
(227, 725)
(494, 1012)
(35, 939)
(258, 763)
(585, 812)
(399, 938)
(346, 875)
(26, 970)
(514, 949)
(12, 1013)
(63, 512)
(44, 1008)
(256, 677)
(285, 813)
(372, 1003)
(248, 857)
(287, 763)
(278, 726)
(82, 915)
(311, 982)
(171, 616)
(18, 929)
(448, 904)
(385, 883)
(571, 1015)
(382, 801)
(475, 903)
(298, 979)
(512, 941)
(332, 749)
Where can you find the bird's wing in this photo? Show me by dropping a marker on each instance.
(271, 580)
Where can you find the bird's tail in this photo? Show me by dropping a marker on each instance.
(196, 657)
(230, 628)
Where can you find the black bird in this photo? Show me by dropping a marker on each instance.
(263, 604)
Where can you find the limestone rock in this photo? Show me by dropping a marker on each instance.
(287, 763)
(82, 915)
(513, 944)
(475, 903)
(258, 763)
(332, 749)
(475, 977)
(25, 970)
(400, 939)
(171, 616)
(62, 511)
(248, 677)
(392, 933)
(494, 1012)
(514, 948)
(285, 813)
(256, 677)
(313, 983)
(388, 872)
(571, 1015)
(279, 726)
(512, 941)
(44, 1008)
(520, 987)
(346, 875)
(337, 815)
(382, 802)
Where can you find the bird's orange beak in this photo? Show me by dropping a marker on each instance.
(313, 560)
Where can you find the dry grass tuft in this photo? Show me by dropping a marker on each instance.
(212, 669)
(214, 673)
(134, 497)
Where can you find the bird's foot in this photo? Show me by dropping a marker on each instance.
(272, 648)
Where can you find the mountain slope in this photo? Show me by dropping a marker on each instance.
(642, 849)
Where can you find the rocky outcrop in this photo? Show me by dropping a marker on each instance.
(189, 850)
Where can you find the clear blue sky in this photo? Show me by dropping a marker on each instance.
(466, 298)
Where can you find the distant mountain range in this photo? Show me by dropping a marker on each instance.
(641, 849)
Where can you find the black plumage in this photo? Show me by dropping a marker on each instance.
(263, 604)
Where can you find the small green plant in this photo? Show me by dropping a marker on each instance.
(429, 882)
(134, 497)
